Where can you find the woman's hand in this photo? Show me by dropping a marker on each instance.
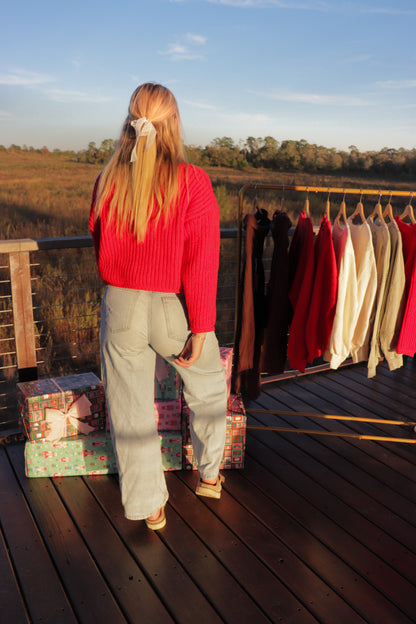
(191, 351)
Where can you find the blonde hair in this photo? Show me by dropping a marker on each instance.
(154, 176)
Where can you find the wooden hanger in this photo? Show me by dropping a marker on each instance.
(388, 210)
(341, 213)
(359, 211)
(327, 212)
(282, 200)
(306, 208)
(377, 212)
(408, 212)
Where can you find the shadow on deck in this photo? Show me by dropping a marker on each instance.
(314, 529)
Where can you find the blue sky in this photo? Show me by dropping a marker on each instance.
(332, 72)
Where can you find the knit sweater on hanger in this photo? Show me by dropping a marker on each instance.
(406, 344)
(179, 255)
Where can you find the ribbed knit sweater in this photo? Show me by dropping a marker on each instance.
(178, 255)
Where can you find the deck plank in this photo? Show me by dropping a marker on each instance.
(42, 589)
(314, 529)
(256, 578)
(303, 473)
(11, 599)
(128, 584)
(310, 590)
(180, 595)
(76, 568)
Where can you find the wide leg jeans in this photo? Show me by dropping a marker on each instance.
(135, 325)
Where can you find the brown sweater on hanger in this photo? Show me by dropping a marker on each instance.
(251, 308)
(274, 351)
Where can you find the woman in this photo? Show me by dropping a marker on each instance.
(155, 226)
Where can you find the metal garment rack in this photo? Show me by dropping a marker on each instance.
(330, 191)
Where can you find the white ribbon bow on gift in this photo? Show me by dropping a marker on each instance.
(57, 420)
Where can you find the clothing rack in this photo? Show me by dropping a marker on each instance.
(299, 188)
(330, 191)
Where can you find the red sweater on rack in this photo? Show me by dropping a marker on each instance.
(180, 255)
(406, 344)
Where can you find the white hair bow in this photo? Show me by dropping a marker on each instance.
(143, 127)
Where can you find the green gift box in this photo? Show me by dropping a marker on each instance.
(91, 454)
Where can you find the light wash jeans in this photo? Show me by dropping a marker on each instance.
(135, 324)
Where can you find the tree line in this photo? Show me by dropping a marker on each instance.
(268, 153)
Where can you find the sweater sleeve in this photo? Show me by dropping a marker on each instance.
(201, 254)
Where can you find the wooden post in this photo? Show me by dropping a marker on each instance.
(24, 328)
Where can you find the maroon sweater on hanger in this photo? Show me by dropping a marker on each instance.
(301, 256)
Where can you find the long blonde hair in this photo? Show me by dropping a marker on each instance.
(154, 176)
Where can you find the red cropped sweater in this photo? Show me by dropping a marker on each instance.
(180, 255)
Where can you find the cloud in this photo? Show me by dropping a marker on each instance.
(4, 114)
(314, 5)
(386, 10)
(358, 58)
(278, 4)
(249, 118)
(197, 39)
(397, 84)
(23, 78)
(69, 97)
(186, 48)
(316, 98)
(201, 105)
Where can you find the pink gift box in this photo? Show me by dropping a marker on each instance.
(226, 354)
(168, 415)
(168, 384)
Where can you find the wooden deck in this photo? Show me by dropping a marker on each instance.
(314, 529)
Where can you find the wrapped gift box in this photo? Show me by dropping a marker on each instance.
(168, 415)
(171, 447)
(60, 407)
(78, 455)
(168, 384)
(90, 455)
(235, 435)
(226, 354)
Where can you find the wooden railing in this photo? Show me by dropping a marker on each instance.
(49, 310)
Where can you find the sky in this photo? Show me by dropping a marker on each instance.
(332, 72)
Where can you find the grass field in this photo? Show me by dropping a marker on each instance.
(46, 195)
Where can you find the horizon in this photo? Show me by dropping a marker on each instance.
(239, 144)
(333, 73)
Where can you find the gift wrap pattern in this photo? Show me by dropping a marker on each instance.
(235, 435)
(61, 406)
(168, 384)
(91, 454)
(64, 419)
(168, 415)
(226, 354)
